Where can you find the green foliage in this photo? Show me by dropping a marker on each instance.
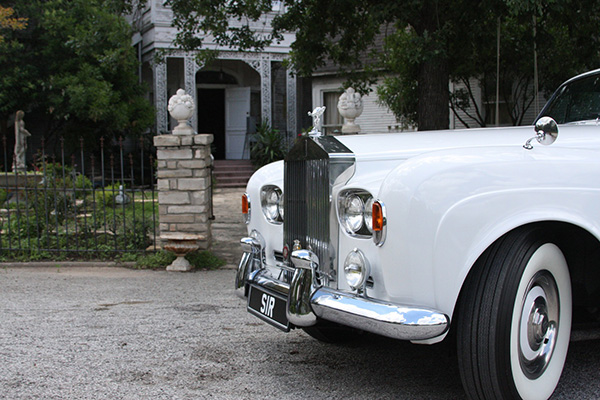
(63, 176)
(48, 219)
(268, 146)
(159, 259)
(105, 197)
(75, 67)
(427, 45)
(204, 260)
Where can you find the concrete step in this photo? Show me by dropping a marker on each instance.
(232, 173)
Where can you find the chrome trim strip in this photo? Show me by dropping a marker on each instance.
(391, 320)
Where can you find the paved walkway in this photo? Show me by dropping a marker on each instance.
(228, 227)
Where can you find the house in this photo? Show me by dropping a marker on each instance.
(240, 89)
(232, 94)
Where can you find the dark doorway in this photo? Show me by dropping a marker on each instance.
(211, 118)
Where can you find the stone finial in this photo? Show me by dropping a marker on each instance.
(350, 106)
(181, 107)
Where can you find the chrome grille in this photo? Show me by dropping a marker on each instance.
(307, 205)
(311, 167)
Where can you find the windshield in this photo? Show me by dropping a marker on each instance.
(576, 101)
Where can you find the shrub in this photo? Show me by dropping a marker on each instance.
(162, 258)
(106, 196)
(268, 145)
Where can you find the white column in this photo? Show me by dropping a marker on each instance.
(265, 83)
(291, 104)
(191, 67)
(160, 96)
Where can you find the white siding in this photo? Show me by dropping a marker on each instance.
(375, 118)
(455, 121)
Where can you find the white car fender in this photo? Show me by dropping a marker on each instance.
(270, 174)
(445, 208)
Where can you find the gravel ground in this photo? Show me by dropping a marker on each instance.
(86, 331)
(116, 333)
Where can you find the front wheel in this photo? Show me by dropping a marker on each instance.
(514, 320)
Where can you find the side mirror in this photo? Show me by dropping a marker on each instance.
(546, 130)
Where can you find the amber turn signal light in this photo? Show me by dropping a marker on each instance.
(378, 218)
(245, 204)
(246, 208)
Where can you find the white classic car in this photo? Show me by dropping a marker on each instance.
(491, 235)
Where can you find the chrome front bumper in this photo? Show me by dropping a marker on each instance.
(307, 301)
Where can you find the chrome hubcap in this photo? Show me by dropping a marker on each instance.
(538, 324)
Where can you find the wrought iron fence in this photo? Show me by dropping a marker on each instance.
(77, 204)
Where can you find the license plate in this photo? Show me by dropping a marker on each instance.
(268, 306)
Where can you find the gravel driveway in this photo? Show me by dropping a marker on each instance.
(115, 333)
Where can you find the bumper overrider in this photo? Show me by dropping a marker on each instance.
(307, 301)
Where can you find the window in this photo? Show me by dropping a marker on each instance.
(576, 101)
(332, 121)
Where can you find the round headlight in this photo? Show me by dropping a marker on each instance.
(355, 209)
(352, 215)
(356, 269)
(270, 198)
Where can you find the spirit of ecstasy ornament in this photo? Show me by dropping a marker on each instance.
(316, 115)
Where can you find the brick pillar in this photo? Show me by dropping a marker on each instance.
(184, 188)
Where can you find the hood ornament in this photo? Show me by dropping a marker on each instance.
(316, 115)
(546, 131)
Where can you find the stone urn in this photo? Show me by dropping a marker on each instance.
(350, 106)
(181, 107)
(181, 244)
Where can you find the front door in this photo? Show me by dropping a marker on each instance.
(211, 118)
(237, 110)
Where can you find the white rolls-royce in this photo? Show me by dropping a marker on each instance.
(491, 235)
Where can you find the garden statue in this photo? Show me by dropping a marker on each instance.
(316, 115)
(21, 135)
(350, 107)
(181, 107)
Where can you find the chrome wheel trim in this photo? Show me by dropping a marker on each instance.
(549, 258)
(539, 321)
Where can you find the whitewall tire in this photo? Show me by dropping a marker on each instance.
(514, 319)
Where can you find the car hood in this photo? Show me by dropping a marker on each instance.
(399, 146)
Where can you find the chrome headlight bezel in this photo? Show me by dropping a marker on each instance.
(271, 203)
(354, 215)
(356, 270)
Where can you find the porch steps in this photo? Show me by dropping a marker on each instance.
(232, 173)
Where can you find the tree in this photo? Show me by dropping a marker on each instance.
(427, 44)
(75, 67)
(8, 21)
(527, 28)
(339, 30)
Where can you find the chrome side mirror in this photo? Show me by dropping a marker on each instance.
(546, 130)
